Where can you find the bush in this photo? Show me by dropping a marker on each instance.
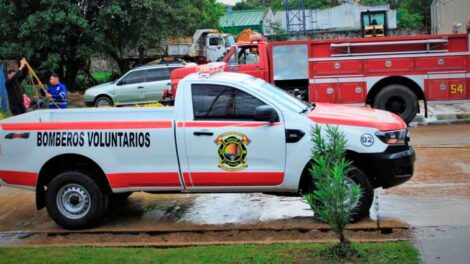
(333, 199)
(84, 82)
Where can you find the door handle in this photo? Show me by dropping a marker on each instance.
(168, 84)
(202, 133)
(140, 87)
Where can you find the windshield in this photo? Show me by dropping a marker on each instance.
(229, 41)
(277, 94)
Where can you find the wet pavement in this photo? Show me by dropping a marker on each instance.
(437, 198)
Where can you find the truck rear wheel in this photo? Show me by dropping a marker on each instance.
(75, 201)
(398, 99)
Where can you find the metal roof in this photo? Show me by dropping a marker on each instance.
(242, 18)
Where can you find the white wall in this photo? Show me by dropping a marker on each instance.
(444, 13)
(343, 17)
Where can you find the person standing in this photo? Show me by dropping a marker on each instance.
(15, 90)
(57, 93)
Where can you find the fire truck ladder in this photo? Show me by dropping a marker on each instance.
(429, 46)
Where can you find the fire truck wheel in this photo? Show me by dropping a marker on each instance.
(103, 101)
(75, 201)
(398, 99)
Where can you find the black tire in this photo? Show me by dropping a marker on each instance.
(358, 177)
(103, 101)
(398, 99)
(76, 184)
(367, 193)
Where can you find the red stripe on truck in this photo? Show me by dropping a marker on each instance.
(236, 178)
(208, 124)
(19, 178)
(102, 125)
(150, 179)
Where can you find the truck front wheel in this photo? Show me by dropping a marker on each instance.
(398, 99)
(355, 176)
(75, 201)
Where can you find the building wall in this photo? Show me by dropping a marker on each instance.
(446, 12)
(344, 17)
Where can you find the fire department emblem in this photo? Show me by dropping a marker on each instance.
(232, 151)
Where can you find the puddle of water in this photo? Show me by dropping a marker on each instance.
(463, 166)
(244, 208)
(421, 212)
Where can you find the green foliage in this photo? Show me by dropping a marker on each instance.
(335, 196)
(61, 36)
(399, 252)
(54, 35)
(137, 26)
(409, 20)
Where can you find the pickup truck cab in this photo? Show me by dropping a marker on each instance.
(227, 132)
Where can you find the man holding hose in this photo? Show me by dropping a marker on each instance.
(15, 90)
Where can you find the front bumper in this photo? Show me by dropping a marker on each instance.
(394, 166)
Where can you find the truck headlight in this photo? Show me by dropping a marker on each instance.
(393, 137)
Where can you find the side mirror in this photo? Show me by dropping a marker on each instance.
(265, 113)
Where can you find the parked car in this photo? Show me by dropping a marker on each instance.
(144, 84)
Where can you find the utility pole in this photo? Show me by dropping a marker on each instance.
(295, 18)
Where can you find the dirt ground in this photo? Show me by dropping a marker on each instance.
(437, 195)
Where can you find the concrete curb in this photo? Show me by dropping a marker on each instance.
(441, 119)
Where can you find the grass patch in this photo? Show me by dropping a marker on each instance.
(397, 252)
(102, 76)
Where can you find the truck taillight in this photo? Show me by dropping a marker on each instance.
(166, 93)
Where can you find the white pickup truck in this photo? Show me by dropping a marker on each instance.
(227, 132)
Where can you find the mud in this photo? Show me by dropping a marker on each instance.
(179, 238)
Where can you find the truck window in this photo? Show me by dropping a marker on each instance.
(215, 41)
(133, 77)
(248, 55)
(217, 102)
(161, 74)
(233, 59)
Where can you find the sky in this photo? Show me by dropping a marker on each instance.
(228, 2)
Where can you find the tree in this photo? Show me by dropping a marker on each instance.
(61, 36)
(334, 198)
(53, 34)
(145, 24)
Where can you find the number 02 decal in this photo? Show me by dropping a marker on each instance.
(367, 140)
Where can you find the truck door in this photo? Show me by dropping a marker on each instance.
(246, 59)
(225, 147)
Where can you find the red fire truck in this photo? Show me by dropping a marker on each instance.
(390, 73)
